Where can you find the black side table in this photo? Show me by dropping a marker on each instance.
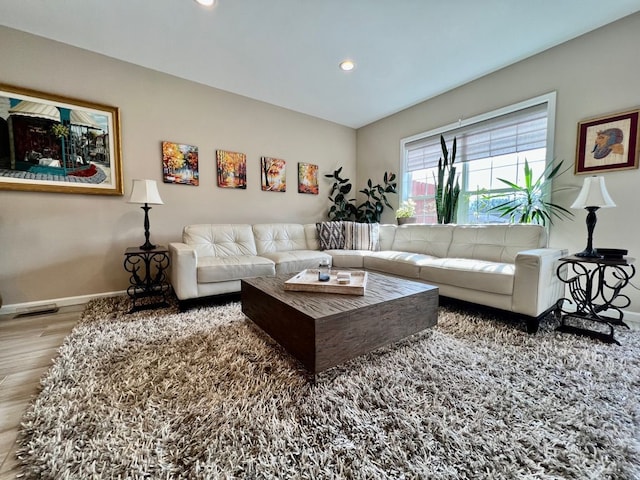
(148, 276)
(595, 286)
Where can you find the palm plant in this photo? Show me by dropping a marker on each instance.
(528, 203)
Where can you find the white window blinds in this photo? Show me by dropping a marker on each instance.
(518, 131)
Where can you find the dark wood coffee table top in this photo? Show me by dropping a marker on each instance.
(380, 288)
(325, 329)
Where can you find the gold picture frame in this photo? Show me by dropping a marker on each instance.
(52, 143)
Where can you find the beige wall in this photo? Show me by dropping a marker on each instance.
(55, 245)
(59, 245)
(593, 75)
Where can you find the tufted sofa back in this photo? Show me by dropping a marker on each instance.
(220, 240)
(431, 240)
(495, 243)
(279, 237)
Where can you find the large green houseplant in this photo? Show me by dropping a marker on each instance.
(528, 203)
(343, 207)
(447, 185)
(369, 211)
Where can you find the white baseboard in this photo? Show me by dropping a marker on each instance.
(632, 319)
(58, 302)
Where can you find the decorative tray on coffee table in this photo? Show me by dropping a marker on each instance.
(307, 281)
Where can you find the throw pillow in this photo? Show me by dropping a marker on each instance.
(331, 235)
(361, 236)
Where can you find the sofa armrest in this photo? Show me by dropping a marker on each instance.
(536, 287)
(184, 261)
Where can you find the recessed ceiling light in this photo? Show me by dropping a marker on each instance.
(207, 3)
(347, 65)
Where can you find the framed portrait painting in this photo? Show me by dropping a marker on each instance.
(50, 143)
(608, 143)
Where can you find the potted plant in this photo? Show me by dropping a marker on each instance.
(406, 212)
(447, 185)
(371, 209)
(343, 207)
(528, 204)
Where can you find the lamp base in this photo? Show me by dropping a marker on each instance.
(147, 246)
(588, 253)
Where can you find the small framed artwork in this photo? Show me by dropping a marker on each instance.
(273, 174)
(231, 169)
(179, 163)
(308, 178)
(51, 143)
(608, 143)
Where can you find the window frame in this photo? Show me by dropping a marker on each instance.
(549, 99)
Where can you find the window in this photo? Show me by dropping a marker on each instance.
(489, 147)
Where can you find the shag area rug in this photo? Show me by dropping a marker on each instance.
(206, 395)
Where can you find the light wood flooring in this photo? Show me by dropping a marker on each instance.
(27, 347)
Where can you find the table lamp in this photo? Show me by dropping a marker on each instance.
(593, 196)
(146, 192)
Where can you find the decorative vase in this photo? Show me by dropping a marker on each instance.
(403, 220)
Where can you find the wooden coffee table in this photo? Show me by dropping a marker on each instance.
(323, 330)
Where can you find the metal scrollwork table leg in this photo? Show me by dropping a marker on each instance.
(148, 277)
(595, 286)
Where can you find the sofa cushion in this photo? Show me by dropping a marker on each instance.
(348, 258)
(361, 236)
(492, 277)
(311, 236)
(220, 240)
(279, 237)
(495, 243)
(330, 235)
(387, 234)
(233, 267)
(431, 240)
(296, 260)
(396, 263)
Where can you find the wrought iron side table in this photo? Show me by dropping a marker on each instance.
(595, 286)
(148, 276)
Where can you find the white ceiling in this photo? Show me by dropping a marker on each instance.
(286, 52)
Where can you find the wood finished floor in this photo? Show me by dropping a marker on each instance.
(27, 347)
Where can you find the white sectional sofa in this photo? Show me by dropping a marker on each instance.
(508, 267)
(213, 258)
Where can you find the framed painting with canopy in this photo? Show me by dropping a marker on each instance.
(51, 143)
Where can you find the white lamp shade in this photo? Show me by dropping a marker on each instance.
(593, 194)
(145, 191)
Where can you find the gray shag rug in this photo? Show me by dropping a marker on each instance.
(204, 394)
